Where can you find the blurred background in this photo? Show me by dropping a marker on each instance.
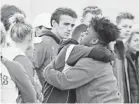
(110, 8)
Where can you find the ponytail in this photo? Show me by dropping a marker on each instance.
(19, 28)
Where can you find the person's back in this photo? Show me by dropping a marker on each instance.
(9, 91)
(103, 87)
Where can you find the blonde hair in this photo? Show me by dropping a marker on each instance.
(19, 28)
(131, 36)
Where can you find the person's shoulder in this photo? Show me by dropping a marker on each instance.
(93, 62)
(37, 40)
(47, 38)
(47, 41)
(14, 67)
(22, 59)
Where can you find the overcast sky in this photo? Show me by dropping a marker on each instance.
(110, 8)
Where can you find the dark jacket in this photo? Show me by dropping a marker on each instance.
(78, 52)
(55, 95)
(132, 66)
(45, 51)
(94, 81)
(120, 71)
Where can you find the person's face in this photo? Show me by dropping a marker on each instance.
(125, 27)
(87, 18)
(30, 50)
(134, 44)
(89, 38)
(39, 30)
(28, 41)
(65, 26)
(29, 46)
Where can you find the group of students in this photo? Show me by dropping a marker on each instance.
(94, 62)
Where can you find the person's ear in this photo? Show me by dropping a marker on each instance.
(54, 23)
(94, 41)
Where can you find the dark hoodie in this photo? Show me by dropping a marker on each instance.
(45, 52)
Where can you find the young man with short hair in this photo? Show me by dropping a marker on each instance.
(124, 22)
(46, 49)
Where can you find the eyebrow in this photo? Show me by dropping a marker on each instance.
(69, 24)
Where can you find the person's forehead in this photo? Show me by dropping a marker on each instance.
(92, 14)
(135, 36)
(67, 19)
(89, 14)
(126, 22)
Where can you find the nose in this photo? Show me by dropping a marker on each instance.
(128, 29)
(69, 28)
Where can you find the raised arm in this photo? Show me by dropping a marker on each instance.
(83, 72)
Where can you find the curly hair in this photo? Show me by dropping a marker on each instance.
(62, 11)
(107, 31)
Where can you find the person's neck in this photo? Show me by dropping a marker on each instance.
(122, 39)
(98, 45)
(131, 50)
(22, 47)
(53, 30)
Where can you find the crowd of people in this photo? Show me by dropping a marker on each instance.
(53, 60)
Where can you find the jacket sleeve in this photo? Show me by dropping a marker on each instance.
(83, 72)
(98, 53)
(22, 81)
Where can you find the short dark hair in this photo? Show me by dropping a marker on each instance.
(107, 31)
(92, 9)
(124, 15)
(7, 11)
(78, 30)
(62, 11)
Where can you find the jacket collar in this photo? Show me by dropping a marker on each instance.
(49, 33)
(120, 49)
